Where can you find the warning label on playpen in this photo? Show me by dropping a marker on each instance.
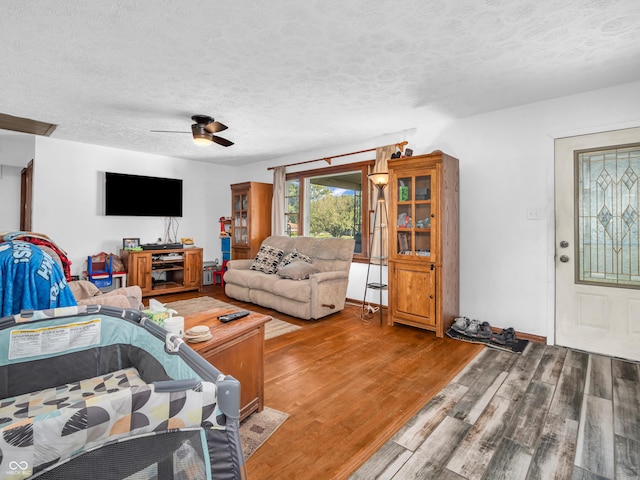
(47, 340)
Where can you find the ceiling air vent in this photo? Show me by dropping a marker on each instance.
(26, 125)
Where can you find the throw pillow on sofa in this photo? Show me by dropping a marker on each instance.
(267, 259)
(292, 257)
(298, 270)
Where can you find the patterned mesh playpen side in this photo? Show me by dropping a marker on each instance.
(94, 392)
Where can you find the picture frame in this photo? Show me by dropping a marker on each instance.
(130, 243)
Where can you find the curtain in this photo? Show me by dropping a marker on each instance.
(383, 154)
(278, 202)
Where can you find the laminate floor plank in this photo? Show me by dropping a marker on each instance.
(522, 371)
(551, 364)
(554, 456)
(600, 382)
(626, 408)
(414, 432)
(511, 461)
(479, 394)
(384, 464)
(527, 422)
(431, 456)
(582, 474)
(443, 474)
(627, 458)
(567, 400)
(472, 456)
(626, 370)
(594, 450)
(577, 359)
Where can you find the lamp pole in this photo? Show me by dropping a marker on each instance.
(380, 180)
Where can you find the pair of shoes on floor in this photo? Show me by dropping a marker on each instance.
(506, 337)
(472, 328)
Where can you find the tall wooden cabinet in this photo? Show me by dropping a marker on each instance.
(250, 217)
(424, 268)
(157, 272)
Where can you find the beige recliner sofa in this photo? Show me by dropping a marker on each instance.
(313, 285)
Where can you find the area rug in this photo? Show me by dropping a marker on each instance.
(258, 427)
(272, 329)
(515, 347)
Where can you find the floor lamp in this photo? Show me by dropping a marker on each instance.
(380, 180)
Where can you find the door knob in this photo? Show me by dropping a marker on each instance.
(564, 244)
(564, 258)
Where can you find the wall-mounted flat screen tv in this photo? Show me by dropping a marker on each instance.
(137, 195)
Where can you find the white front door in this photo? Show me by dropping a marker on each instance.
(597, 191)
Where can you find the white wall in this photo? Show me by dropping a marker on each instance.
(9, 197)
(69, 199)
(16, 150)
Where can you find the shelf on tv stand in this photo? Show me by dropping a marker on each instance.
(182, 273)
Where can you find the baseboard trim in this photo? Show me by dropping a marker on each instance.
(522, 335)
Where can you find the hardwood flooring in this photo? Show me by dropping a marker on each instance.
(377, 402)
(347, 386)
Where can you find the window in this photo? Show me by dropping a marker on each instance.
(330, 202)
(608, 211)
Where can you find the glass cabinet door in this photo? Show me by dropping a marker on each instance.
(239, 214)
(414, 215)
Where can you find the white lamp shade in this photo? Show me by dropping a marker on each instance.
(379, 179)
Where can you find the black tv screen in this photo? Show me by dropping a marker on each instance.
(137, 195)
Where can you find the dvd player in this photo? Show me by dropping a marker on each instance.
(160, 246)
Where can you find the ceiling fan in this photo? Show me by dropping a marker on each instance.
(203, 131)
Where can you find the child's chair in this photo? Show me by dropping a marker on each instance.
(102, 276)
(220, 273)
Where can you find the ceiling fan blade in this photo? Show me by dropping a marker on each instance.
(221, 141)
(166, 131)
(214, 127)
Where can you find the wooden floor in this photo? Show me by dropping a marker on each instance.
(347, 386)
(376, 402)
(551, 413)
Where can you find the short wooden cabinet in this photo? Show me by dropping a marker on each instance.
(158, 272)
(250, 217)
(236, 348)
(424, 267)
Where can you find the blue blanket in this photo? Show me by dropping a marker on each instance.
(30, 280)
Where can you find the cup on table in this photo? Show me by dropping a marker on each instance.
(175, 325)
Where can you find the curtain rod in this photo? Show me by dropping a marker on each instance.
(328, 159)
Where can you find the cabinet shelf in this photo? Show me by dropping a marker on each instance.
(156, 275)
(166, 269)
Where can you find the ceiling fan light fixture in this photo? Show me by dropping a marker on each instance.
(202, 139)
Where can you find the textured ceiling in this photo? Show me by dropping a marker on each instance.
(291, 76)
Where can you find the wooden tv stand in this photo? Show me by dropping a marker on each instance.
(158, 272)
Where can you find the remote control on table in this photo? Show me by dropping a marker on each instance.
(233, 316)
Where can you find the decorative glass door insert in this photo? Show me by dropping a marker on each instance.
(607, 216)
(414, 214)
(240, 228)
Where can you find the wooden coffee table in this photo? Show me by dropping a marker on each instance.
(236, 349)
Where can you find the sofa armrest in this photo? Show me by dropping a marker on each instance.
(240, 264)
(327, 276)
